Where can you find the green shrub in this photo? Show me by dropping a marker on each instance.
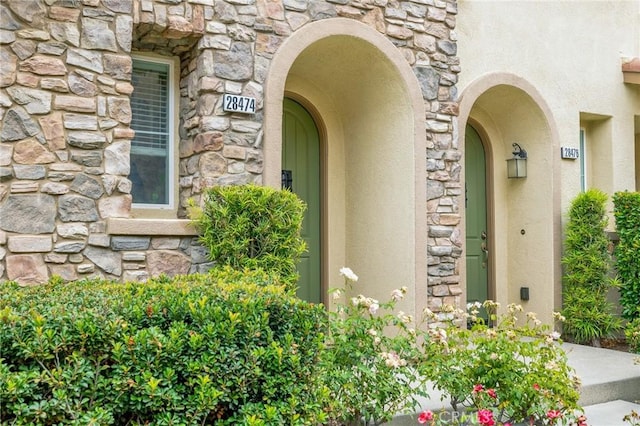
(252, 227)
(587, 262)
(632, 333)
(226, 348)
(627, 252)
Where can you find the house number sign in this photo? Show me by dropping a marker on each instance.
(570, 153)
(237, 103)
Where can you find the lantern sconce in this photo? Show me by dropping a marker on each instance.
(517, 166)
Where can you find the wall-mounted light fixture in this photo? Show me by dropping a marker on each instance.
(517, 166)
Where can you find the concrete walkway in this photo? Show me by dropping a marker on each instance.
(610, 386)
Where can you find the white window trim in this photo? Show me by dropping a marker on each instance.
(169, 210)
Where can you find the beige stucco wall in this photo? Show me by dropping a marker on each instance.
(566, 55)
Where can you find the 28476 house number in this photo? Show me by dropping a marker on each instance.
(237, 103)
(569, 153)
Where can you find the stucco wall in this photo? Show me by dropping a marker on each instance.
(566, 57)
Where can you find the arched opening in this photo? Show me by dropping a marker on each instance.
(374, 178)
(523, 213)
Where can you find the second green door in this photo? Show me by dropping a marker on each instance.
(477, 244)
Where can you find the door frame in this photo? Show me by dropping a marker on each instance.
(490, 201)
(322, 140)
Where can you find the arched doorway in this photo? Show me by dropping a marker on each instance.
(524, 236)
(476, 213)
(371, 122)
(301, 174)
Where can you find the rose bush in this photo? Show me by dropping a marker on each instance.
(501, 374)
(370, 362)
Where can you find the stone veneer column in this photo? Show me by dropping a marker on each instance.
(64, 106)
(65, 134)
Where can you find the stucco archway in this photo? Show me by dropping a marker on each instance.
(369, 108)
(525, 215)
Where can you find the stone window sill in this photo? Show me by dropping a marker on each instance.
(150, 227)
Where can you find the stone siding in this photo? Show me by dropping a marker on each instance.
(65, 108)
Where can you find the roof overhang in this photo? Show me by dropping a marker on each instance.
(631, 70)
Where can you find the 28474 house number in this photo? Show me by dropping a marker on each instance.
(237, 103)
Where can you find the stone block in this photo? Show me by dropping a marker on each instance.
(86, 140)
(77, 208)
(27, 269)
(165, 243)
(28, 214)
(29, 244)
(115, 206)
(17, 124)
(96, 35)
(107, 260)
(75, 103)
(34, 101)
(31, 151)
(6, 152)
(87, 186)
(99, 240)
(167, 262)
(43, 65)
(135, 276)
(54, 188)
(24, 186)
(55, 258)
(121, 243)
(29, 172)
(69, 247)
(53, 131)
(134, 256)
(75, 231)
(66, 272)
(87, 59)
(85, 268)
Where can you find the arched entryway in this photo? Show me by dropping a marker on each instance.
(367, 104)
(524, 237)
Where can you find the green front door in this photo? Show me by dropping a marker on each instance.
(301, 174)
(477, 254)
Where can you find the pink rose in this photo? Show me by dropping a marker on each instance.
(485, 418)
(553, 414)
(478, 388)
(425, 416)
(492, 393)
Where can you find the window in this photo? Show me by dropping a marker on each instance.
(152, 149)
(583, 161)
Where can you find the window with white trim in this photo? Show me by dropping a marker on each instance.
(152, 149)
(583, 161)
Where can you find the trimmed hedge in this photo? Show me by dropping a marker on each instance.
(227, 348)
(627, 252)
(589, 316)
(250, 226)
